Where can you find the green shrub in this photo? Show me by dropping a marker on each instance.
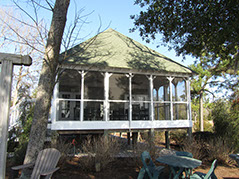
(219, 149)
(196, 147)
(147, 145)
(221, 118)
(226, 122)
(21, 133)
(99, 151)
(178, 136)
(19, 154)
(63, 146)
(207, 126)
(209, 149)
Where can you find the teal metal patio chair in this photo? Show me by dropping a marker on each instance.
(188, 172)
(210, 174)
(45, 164)
(235, 157)
(184, 154)
(149, 169)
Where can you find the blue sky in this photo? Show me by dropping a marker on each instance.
(113, 14)
(116, 14)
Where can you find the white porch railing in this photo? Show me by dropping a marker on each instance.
(16, 112)
(14, 116)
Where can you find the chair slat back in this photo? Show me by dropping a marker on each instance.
(210, 173)
(185, 154)
(47, 159)
(146, 156)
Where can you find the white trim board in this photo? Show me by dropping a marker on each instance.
(107, 125)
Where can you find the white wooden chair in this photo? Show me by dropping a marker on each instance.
(45, 164)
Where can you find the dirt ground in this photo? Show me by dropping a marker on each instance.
(124, 168)
(128, 168)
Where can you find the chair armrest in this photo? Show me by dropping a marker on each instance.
(141, 173)
(234, 156)
(19, 167)
(50, 171)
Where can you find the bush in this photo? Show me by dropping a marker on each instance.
(148, 145)
(221, 118)
(63, 146)
(19, 154)
(100, 151)
(209, 149)
(226, 122)
(21, 133)
(219, 149)
(178, 136)
(207, 125)
(196, 147)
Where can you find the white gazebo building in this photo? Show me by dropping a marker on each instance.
(113, 83)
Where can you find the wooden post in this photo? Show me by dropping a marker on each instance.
(134, 138)
(167, 140)
(7, 61)
(106, 134)
(190, 135)
(151, 137)
(129, 138)
(201, 111)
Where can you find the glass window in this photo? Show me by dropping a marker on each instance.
(69, 89)
(119, 97)
(179, 89)
(180, 111)
(118, 87)
(70, 81)
(119, 111)
(94, 86)
(140, 97)
(140, 111)
(93, 111)
(161, 111)
(69, 109)
(65, 106)
(77, 107)
(161, 89)
(140, 88)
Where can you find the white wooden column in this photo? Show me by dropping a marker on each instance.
(7, 61)
(189, 112)
(157, 99)
(55, 104)
(82, 95)
(151, 88)
(130, 76)
(165, 98)
(176, 99)
(106, 92)
(171, 97)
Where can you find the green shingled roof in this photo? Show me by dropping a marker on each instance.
(113, 49)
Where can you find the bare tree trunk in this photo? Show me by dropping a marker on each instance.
(201, 111)
(47, 81)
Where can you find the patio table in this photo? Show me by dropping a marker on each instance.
(178, 164)
(235, 157)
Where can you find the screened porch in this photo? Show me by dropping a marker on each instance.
(95, 100)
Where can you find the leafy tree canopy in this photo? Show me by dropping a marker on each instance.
(194, 27)
(201, 81)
